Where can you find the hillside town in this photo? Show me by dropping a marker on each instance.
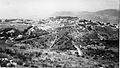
(61, 41)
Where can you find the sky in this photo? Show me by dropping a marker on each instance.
(44, 8)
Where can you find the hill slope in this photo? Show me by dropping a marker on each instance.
(108, 15)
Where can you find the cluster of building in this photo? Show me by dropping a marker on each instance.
(59, 22)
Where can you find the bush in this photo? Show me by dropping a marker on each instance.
(10, 51)
(22, 47)
(3, 55)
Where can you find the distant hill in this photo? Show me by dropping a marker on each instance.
(108, 15)
(110, 12)
(64, 13)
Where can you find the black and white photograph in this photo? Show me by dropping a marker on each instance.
(59, 33)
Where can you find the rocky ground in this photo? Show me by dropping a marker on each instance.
(36, 57)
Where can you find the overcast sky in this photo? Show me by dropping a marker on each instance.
(43, 8)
